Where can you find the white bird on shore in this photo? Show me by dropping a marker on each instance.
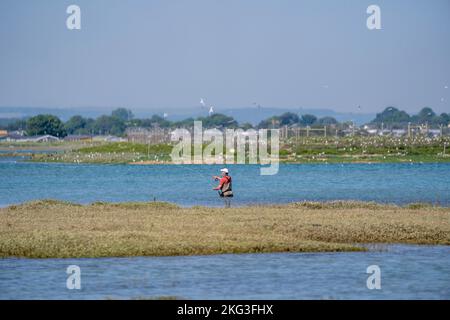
(211, 110)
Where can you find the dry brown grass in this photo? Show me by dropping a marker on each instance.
(45, 229)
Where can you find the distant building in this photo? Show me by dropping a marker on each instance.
(398, 132)
(348, 132)
(18, 132)
(12, 137)
(138, 134)
(3, 133)
(434, 132)
(153, 135)
(78, 137)
(384, 132)
(114, 139)
(108, 139)
(44, 138)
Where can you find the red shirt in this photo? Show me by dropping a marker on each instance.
(224, 179)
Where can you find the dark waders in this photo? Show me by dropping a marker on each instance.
(226, 199)
(226, 193)
(227, 202)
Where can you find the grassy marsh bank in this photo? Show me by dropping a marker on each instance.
(304, 150)
(47, 229)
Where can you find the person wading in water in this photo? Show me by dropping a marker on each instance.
(224, 187)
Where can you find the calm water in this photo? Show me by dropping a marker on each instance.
(191, 184)
(407, 272)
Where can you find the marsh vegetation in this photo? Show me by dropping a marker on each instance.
(49, 229)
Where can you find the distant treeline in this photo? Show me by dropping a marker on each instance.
(391, 117)
(114, 124)
(394, 118)
(120, 119)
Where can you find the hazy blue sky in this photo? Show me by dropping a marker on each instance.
(278, 53)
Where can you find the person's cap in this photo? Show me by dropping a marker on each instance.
(224, 170)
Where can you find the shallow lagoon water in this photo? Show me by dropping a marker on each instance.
(407, 272)
(189, 185)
